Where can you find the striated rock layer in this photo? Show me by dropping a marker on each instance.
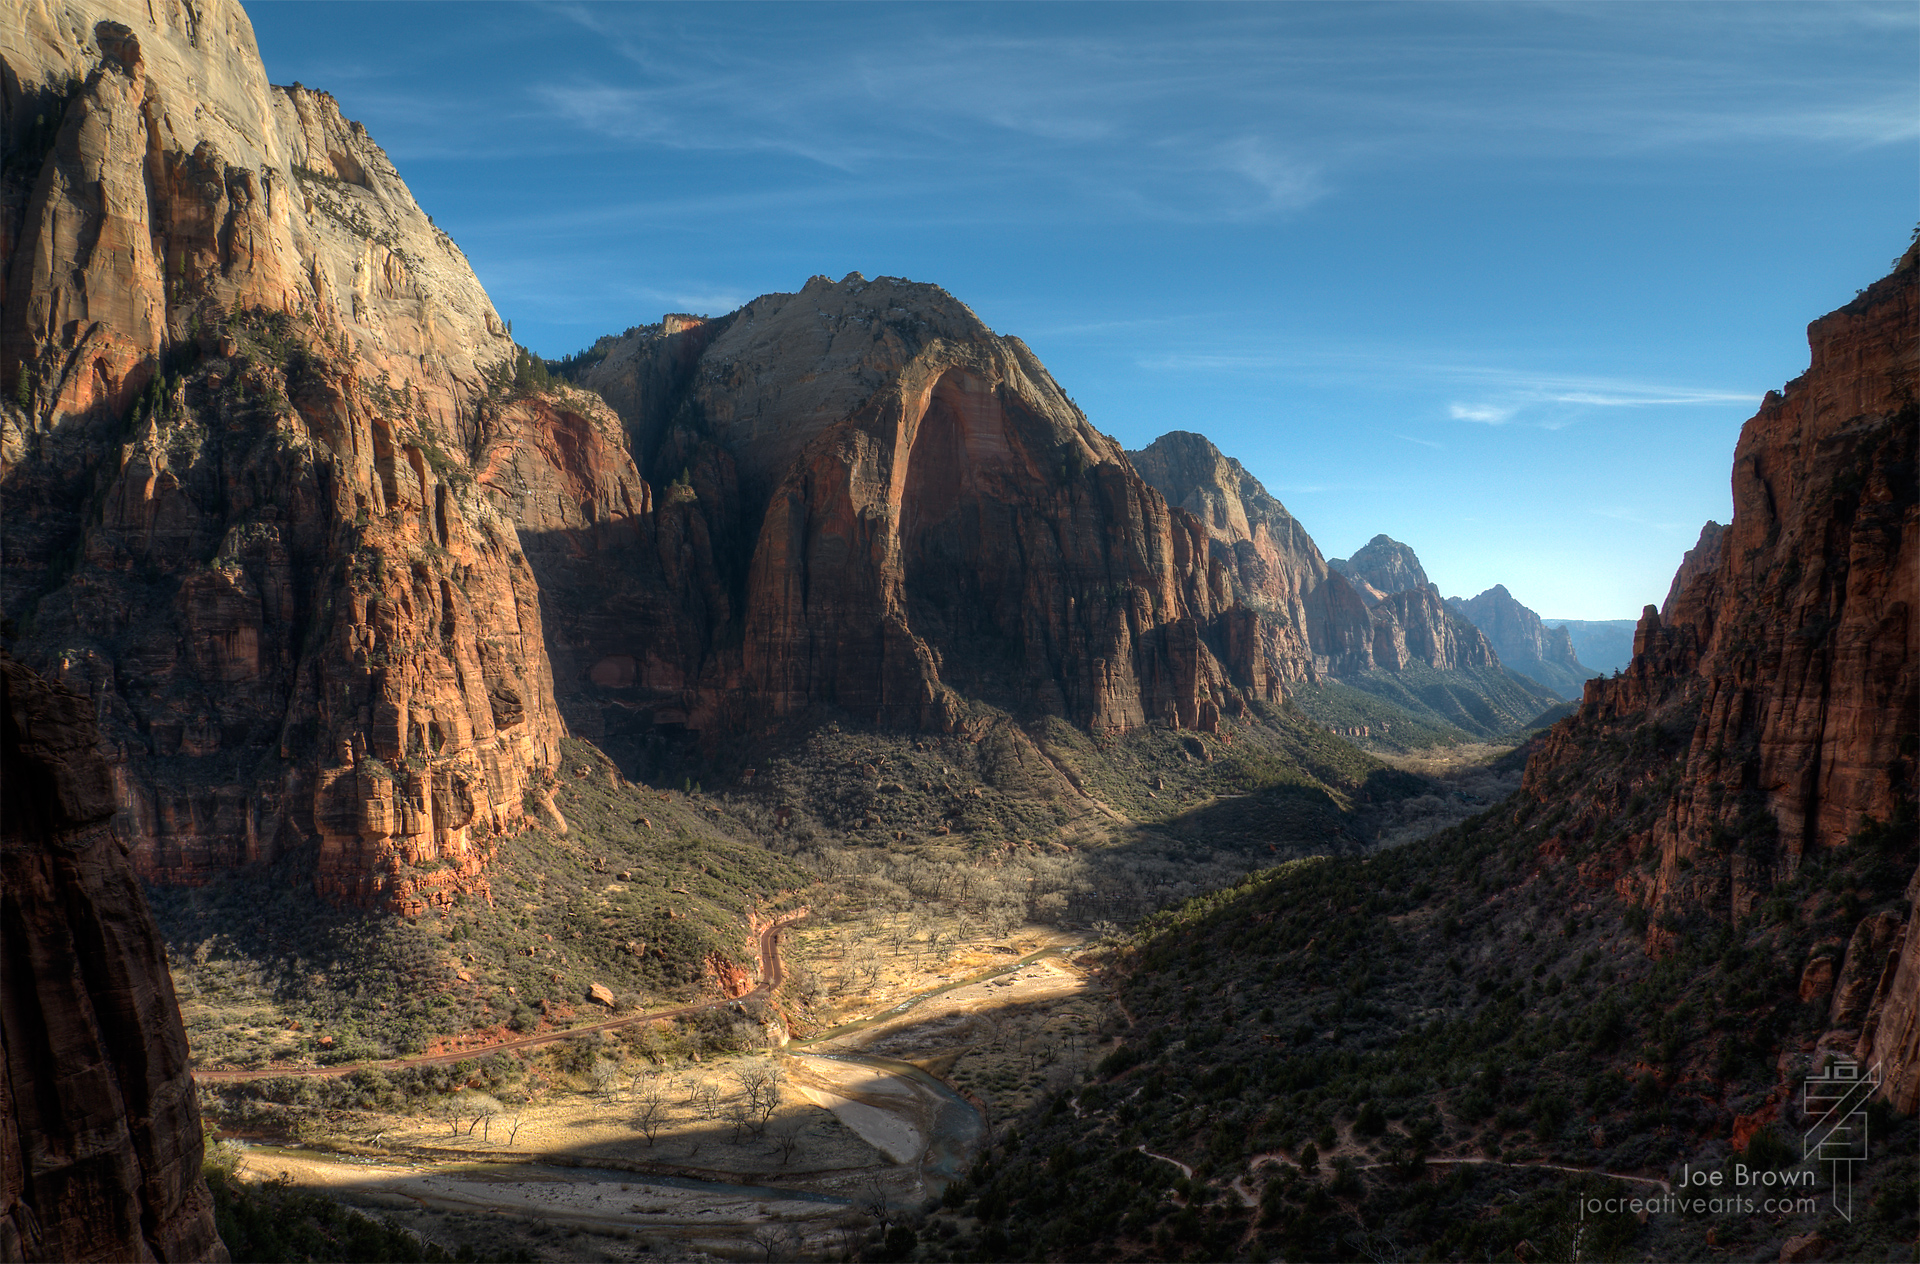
(249, 393)
(100, 1141)
(1318, 618)
(865, 499)
(1786, 664)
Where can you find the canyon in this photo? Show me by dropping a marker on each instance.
(341, 565)
(1697, 910)
(1372, 622)
(1324, 619)
(306, 563)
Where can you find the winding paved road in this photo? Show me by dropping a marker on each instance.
(772, 975)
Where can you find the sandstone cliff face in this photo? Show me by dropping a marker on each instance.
(1702, 559)
(1316, 618)
(100, 1142)
(1275, 567)
(249, 388)
(901, 511)
(1788, 661)
(1523, 642)
(1410, 621)
(1890, 1029)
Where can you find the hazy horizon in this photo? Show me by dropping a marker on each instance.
(1500, 281)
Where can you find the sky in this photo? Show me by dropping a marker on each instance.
(1501, 281)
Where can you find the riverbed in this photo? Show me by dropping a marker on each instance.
(872, 1122)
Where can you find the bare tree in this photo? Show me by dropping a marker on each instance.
(464, 1104)
(781, 1241)
(874, 1201)
(650, 1107)
(484, 1110)
(864, 963)
(705, 1099)
(761, 1084)
(786, 1140)
(603, 1076)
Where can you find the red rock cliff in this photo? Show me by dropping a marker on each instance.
(1786, 663)
(249, 392)
(868, 500)
(100, 1140)
(1317, 618)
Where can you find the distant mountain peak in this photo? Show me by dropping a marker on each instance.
(1524, 642)
(1387, 565)
(1194, 474)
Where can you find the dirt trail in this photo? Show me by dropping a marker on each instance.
(772, 975)
(1184, 1169)
(1248, 1198)
(1080, 790)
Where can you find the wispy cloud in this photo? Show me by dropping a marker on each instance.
(1652, 396)
(1284, 183)
(708, 302)
(1229, 114)
(1552, 402)
(1425, 443)
(1508, 392)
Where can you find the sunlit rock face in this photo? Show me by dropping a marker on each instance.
(866, 499)
(275, 501)
(1318, 618)
(1788, 656)
(254, 464)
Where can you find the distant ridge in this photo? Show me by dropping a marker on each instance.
(1605, 645)
(1525, 644)
(1372, 623)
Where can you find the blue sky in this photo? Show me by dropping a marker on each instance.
(1500, 280)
